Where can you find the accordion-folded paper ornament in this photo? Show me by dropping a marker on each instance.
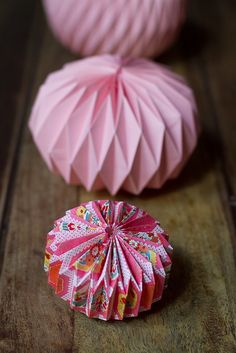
(106, 122)
(126, 27)
(108, 259)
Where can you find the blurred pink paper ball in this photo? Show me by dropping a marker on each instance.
(105, 122)
(132, 28)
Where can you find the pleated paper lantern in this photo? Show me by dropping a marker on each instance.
(126, 27)
(108, 123)
(108, 259)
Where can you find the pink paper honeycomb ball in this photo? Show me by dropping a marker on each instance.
(137, 28)
(105, 122)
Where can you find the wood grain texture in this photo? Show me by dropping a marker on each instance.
(13, 48)
(198, 311)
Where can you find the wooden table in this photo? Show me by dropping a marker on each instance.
(198, 311)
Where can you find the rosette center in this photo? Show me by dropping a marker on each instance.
(109, 230)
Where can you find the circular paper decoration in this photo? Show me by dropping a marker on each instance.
(126, 27)
(108, 259)
(104, 122)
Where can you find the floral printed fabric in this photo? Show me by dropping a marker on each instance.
(108, 259)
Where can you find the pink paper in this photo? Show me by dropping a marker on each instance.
(110, 123)
(137, 28)
(108, 259)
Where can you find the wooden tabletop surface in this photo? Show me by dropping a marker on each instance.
(198, 311)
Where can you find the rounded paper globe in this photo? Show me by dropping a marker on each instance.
(110, 123)
(108, 259)
(137, 28)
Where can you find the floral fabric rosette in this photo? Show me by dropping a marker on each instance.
(108, 259)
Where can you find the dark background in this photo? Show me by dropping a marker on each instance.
(198, 312)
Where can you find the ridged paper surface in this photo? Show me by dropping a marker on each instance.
(108, 259)
(105, 122)
(126, 27)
